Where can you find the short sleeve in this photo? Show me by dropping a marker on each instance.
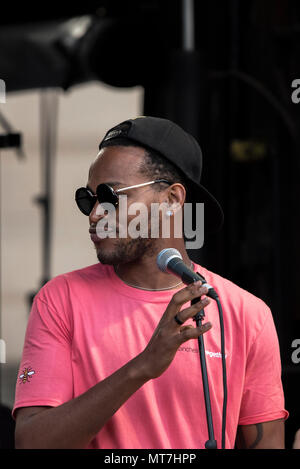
(263, 397)
(45, 373)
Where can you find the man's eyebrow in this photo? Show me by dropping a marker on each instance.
(88, 187)
(114, 183)
(110, 183)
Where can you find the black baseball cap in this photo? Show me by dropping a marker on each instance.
(178, 147)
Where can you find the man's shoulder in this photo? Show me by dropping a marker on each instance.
(75, 279)
(245, 314)
(235, 297)
(94, 271)
(89, 272)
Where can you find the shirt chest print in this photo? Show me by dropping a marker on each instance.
(26, 375)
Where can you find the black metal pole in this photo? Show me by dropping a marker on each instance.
(211, 442)
(48, 114)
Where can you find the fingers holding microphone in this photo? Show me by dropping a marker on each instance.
(188, 332)
(172, 331)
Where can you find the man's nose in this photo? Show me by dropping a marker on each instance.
(97, 213)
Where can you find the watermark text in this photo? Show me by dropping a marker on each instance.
(157, 221)
(296, 353)
(2, 92)
(296, 93)
(2, 351)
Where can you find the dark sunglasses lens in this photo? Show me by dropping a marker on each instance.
(84, 200)
(106, 194)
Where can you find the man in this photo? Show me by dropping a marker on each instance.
(111, 354)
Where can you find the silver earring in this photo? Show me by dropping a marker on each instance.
(169, 213)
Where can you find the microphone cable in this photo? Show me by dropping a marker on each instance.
(224, 374)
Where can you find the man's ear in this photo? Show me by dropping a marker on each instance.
(176, 195)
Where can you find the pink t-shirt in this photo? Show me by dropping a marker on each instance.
(86, 324)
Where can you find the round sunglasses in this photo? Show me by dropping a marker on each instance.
(86, 200)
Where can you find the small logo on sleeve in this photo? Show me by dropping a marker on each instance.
(26, 375)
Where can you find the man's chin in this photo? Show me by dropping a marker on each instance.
(106, 260)
(129, 251)
(107, 257)
(108, 251)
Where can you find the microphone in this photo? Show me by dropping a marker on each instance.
(170, 261)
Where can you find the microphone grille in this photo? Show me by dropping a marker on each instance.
(165, 256)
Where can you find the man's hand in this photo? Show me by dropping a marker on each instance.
(169, 335)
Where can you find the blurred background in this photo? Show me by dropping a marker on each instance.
(227, 72)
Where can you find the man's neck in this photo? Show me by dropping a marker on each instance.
(146, 275)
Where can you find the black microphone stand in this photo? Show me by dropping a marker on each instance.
(211, 442)
(170, 260)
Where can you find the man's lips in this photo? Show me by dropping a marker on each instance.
(94, 234)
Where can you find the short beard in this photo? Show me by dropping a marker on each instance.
(125, 251)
